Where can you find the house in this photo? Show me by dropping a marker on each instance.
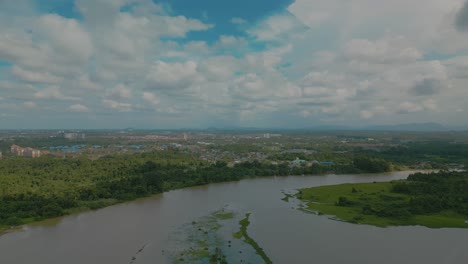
(297, 162)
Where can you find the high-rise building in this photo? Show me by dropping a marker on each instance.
(74, 135)
(25, 152)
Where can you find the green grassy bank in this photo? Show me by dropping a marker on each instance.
(244, 223)
(375, 204)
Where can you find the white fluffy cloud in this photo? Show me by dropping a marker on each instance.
(150, 98)
(315, 62)
(78, 108)
(66, 36)
(168, 76)
(54, 93)
(278, 27)
(118, 106)
(395, 50)
(35, 77)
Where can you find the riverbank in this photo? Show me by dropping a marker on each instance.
(352, 203)
(86, 206)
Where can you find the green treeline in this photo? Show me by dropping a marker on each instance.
(434, 200)
(36, 189)
(434, 192)
(438, 154)
(420, 194)
(374, 165)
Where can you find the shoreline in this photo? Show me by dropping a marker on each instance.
(74, 211)
(345, 203)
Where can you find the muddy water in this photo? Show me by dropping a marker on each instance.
(115, 234)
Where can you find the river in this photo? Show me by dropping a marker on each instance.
(112, 235)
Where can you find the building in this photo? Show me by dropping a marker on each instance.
(74, 135)
(297, 163)
(17, 150)
(32, 153)
(25, 152)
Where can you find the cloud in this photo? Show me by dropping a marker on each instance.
(279, 27)
(312, 13)
(35, 77)
(219, 68)
(121, 91)
(114, 105)
(430, 104)
(461, 21)
(85, 82)
(150, 98)
(409, 107)
(168, 76)
(388, 50)
(366, 114)
(66, 35)
(316, 61)
(426, 87)
(78, 108)
(29, 105)
(54, 93)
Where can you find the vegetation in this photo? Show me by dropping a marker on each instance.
(36, 189)
(433, 200)
(242, 233)
(435, 154)
(201, 241)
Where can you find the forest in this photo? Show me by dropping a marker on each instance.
(435, 192)
(421, 194)
(36, 189)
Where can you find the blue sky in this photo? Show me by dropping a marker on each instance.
(256, 63)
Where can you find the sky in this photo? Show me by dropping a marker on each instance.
(244, 63)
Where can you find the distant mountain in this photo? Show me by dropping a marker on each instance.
(417, 127)
(461, 128)
(279, 129)
(430, 126)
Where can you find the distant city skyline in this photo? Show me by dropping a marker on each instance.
(148, 64)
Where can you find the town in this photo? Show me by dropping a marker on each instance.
(294, 148)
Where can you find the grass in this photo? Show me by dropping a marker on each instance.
(242, 233)
(224, 216)
(323, 200)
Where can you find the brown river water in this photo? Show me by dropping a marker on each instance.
(113, 235)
